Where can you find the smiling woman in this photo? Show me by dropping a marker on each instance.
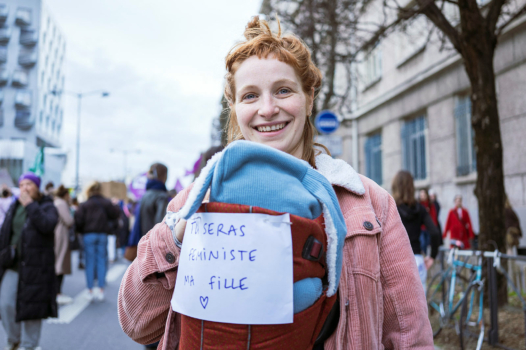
(271, 85)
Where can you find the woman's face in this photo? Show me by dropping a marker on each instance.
(271, 107)
(29, 187)
(423, 196)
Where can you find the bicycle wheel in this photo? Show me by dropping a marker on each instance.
(437, 301)
(471, 322)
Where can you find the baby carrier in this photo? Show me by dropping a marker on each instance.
(252, 178)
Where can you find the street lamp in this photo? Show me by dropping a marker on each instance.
(79, 96)
(125, 153)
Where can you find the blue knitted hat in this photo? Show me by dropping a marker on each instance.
(253, 174)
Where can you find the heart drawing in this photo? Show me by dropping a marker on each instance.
(204, 301)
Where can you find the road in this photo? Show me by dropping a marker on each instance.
(83, 325)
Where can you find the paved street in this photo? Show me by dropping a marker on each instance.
(83, 325)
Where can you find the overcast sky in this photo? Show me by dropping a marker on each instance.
(162, 62)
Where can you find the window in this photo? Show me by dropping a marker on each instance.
(373, 65)
(20, 78)
(414, 147)
(411, 41)
(23, 16)
(466, 156)
(23, 99)
(3, 54)
(373, 157)
(4, 13)
(27, 58)
(5, 35)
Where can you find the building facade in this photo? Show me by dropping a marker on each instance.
(413, 112)
(32, 56)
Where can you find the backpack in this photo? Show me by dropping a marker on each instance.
(252, 178)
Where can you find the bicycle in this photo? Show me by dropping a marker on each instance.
(447, 290)
(471, 323)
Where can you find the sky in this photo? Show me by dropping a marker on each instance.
(162, 61)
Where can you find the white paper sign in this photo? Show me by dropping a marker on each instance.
(236, 268)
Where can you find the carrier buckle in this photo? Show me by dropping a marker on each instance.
(313, 249)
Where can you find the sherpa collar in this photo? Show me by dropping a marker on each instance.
(339, 173)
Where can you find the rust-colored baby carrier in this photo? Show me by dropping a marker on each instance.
(251, 178)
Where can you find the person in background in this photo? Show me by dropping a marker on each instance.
(153, 205)
(426, 203)
(6, 199)
(62, 250)
(513, 226)
(49, 190)
(92, 220)
(74, 208)
(124, 227)
(433, 199)
(414, 217)
(458, 224)
(28, 280)
(155, 200)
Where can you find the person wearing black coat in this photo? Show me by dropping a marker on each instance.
(27, 265)
(93, 220)
(413, 216)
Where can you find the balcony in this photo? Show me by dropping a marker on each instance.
(5, 35)
(20, 78)
(27, 58)
(23, 99)
(23, 16)
(23, 119)
(3, 54)
(4, 77)
(28, 37)
(4, 13)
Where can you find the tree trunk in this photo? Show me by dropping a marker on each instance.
(490, 175)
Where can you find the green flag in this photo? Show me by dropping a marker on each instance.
(38, 165)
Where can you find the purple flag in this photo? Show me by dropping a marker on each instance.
(195, 168)
(178, 186)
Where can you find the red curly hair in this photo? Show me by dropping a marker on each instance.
(262, 42)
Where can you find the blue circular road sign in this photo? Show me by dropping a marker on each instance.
(326, 122)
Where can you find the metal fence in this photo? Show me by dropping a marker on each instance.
(492, 334)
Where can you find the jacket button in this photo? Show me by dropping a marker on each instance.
(368, 226)
(170, 258)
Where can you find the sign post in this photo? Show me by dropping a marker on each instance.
(327, 122)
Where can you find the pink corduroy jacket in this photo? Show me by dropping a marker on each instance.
(382, 301)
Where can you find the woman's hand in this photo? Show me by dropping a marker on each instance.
(428, 261)
(25, 199)
(179, 230)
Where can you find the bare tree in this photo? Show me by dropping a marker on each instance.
(474, 31)
(328, 28)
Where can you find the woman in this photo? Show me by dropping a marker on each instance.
(62, 251)
(28, 275)
(270, 85)
(92, 220)
(430, 208)
(415, 216)
(458, 225)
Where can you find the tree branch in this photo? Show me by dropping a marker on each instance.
(517, 14)
(495, 8)
(433, 13)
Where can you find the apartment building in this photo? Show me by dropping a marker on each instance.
(412, 111)
(32, 54)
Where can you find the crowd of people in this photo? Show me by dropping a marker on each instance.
(380, 246)
(39, 230)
